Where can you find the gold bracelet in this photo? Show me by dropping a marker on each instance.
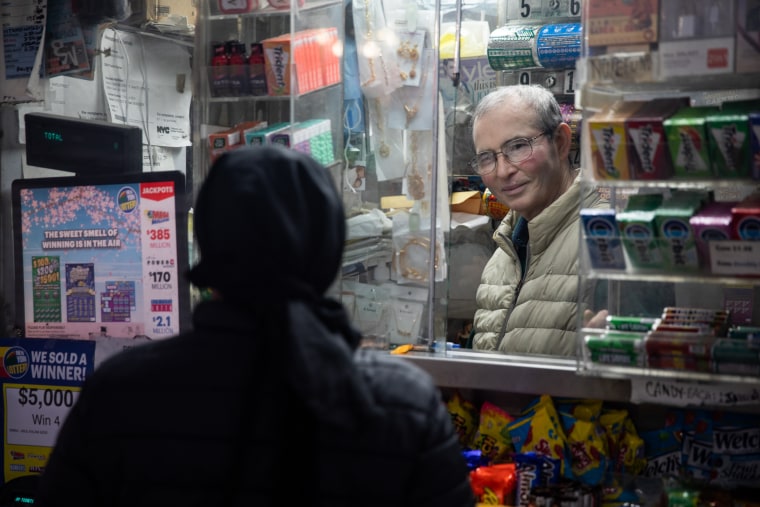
(410, 272)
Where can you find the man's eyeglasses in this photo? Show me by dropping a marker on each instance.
(515, 150)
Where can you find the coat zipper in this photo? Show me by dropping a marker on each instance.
(503, 330)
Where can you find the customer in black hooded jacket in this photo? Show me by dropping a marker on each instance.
(268, 400)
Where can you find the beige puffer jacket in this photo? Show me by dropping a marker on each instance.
(541, 316)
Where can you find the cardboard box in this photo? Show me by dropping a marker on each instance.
(160, 10)
(747, 36)
(468, 202)
(396, 202)
(609, 141)
(465, 202)
(614, 22)
(696, 38)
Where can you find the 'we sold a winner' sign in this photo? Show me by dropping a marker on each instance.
(41, 379)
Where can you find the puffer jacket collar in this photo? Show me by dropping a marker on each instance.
(544, 228)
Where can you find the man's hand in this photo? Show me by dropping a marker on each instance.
(599, 320)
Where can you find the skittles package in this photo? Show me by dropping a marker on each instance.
(464, 416)
(492, 437)
(539, 430)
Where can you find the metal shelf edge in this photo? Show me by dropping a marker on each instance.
(523, 376)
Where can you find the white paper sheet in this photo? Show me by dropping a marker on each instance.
(147, 83)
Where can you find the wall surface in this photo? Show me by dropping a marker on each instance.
(10, 169)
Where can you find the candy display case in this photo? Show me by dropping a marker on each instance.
(670, 137)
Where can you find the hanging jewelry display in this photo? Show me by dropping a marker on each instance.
(383, 149)
(407, 314)
(372, 302)
(414, 256)
(387, 143)
(413, 104)
(378, 73)
(409, 55)
(415, 183)
(407, 317)
(414, 259)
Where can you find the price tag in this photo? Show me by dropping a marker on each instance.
(34, 414)
(735, 257)
(569, 82)
(680, 393)
(523, 10)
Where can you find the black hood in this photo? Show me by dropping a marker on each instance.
(268, 217)
(270, 228)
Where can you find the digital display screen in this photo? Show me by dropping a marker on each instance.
(82, 146)
(101, 256)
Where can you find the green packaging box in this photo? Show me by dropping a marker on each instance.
(675, 236)
(687, 142)
(728, 134)
(264, 136)
(638, 231)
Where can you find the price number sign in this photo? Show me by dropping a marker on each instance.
(34, 414)
(543, 9)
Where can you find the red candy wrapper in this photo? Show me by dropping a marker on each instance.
(494, 484)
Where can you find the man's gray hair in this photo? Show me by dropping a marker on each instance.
(542, 101)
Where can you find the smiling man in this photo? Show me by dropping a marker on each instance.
(528, 297)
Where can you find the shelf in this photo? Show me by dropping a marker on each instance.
(309, 6)
(269, 98)
(521, 375)
(696, 184)
(702, 90)
(557, 377)
(628, 372)
(672, 276)
(183, 39)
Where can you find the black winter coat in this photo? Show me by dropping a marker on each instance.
(202, 420)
